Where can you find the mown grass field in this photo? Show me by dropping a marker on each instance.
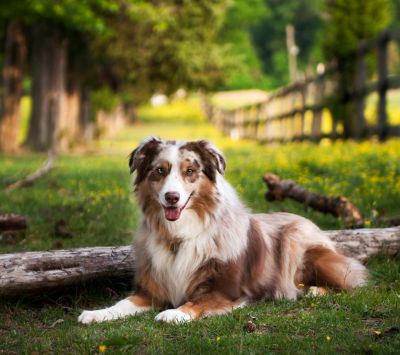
(91, 194)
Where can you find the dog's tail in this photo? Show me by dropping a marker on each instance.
(329, 268)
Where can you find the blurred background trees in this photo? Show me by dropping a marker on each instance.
(88, 60)
(86, 56)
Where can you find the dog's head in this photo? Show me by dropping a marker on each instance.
(172, 176)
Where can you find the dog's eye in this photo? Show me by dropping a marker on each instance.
(189, 172)
(160, 171)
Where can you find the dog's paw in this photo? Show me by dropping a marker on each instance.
(97, 316)
(314, 291)
(173, 316)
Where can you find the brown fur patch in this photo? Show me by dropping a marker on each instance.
(210, 159)
(234, 279)
(141, 300)
(212, 303)
(148, 202)
(155, 175)
(145, 284)
(255, 260)
(216, 276)
(194, 166)
(141, 159)
(324, 267)
(204, 199)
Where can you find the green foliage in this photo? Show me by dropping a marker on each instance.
(246, 67)
(104, 99)
(86, 15)
(270, 36)
(349, 22)
(134, 48)
(158, 47)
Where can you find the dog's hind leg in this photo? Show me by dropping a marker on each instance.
(328, 268)
(132, 305)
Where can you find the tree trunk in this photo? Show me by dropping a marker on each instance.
(86, 123)
(34, 271)
(70, 118)
(13, 73)
(110, 123)
(49, 89)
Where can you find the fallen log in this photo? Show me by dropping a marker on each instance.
(31, 178)
(338, 206)
(12, 222)
(34, 271)
(29, 272)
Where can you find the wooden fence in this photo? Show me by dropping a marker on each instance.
(300, 111)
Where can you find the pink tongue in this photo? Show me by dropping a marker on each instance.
(171, 213)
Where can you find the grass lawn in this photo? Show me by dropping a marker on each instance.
(91, 194)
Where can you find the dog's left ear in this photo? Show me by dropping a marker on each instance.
(132, 161)
(218, 156)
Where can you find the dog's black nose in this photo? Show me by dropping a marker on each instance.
(172, 197)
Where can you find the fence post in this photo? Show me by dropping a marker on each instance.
(303, 93)
(382, 84)
(359, 94)
(317, 112)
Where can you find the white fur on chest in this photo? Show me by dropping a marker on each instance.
(175, 270)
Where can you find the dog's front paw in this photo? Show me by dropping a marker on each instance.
(173, 316)
(100, 315)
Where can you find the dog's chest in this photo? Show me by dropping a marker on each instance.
(174, 270)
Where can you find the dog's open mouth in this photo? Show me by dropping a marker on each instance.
(173, 213)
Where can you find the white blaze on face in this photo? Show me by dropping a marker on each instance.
(174, 183)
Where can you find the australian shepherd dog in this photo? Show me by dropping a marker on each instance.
(200, 252)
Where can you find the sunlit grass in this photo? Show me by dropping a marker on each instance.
(393, 107)
(26, 107)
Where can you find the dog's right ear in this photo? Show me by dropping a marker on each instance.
(146, 151)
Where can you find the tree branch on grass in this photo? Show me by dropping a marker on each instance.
(30, 179)
(338, 206)
(12, 222)
(30, 272)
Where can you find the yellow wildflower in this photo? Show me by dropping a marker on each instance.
(102, 348)
(377, 332)
(328, 338)
(218, 338)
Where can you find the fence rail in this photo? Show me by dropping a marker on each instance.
(299, 111)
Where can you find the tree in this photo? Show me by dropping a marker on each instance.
(269, 37)
(347, 23)
(161, 47)
(13, 72)
(245, 69)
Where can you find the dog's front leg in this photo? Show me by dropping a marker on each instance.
(204, 306)
(135, 304)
